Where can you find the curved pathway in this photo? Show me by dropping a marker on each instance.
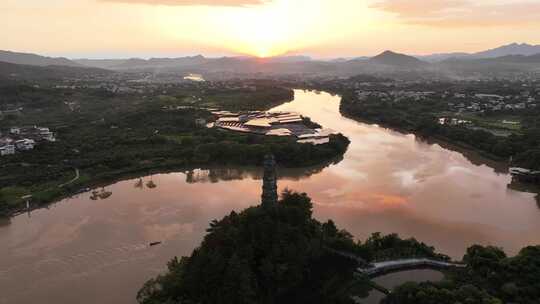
(380, 268)
(77, 176)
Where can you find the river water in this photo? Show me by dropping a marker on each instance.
(96, 251)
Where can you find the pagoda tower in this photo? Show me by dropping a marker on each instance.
(269, 194)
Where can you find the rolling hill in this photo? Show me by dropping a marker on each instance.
(11, 71)
(393, 59)
(522, 49)
(33, 59)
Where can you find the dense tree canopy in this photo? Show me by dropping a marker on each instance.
(283, 255)
(490, 278)
(272, 255)
(439, 293)
(512, 279)
(276, 255)
(389, 247)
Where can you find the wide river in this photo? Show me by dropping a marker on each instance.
(96, 251)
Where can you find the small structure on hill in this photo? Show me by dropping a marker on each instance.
(525, 175)
(270, 194)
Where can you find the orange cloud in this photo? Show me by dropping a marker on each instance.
(461, 13)
(417, 8)
(390, 200)
(192, 2)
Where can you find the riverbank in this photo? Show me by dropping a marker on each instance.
(420, 119)
(475, 155)
(521, 148)
(472, 153)
(289, 153)
(137, 134)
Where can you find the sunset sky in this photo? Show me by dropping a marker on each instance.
(320, 28)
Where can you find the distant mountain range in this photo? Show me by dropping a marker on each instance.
(386, 58)
(508, 58)
(505, 50)
(12, 71)
(502, 59)
(137, 63)
(32, 59)
(511, 49)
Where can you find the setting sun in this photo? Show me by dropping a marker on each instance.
(320, 28)
(268, 30)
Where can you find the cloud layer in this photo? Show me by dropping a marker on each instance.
(192, 2)
(462, 13)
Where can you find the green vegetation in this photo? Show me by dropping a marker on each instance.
(512, 279)
(250, 98)
(275, 255)
(491, 278)
(492, 121)
(108, 136)
(392, 247)
(283, 255)
(439, 293)
(253, 95)
(421, 118)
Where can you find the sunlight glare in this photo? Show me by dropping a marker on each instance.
(270, 30)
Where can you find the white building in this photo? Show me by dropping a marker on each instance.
(46, 134)
(15, 130)
(489, 96)
(7, 150)
(25, 144)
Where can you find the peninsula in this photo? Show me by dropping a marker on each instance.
(277, 253)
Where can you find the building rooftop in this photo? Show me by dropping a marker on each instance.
(279, 132)
(259, 123)
(229, 119)
(272, 124)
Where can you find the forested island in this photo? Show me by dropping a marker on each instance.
(282, 255)
(104, 134)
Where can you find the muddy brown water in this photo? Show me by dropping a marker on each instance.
(97, 251)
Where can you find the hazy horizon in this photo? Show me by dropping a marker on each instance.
(104, 56)
(316, 28)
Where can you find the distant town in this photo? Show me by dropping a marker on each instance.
(20, 139)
